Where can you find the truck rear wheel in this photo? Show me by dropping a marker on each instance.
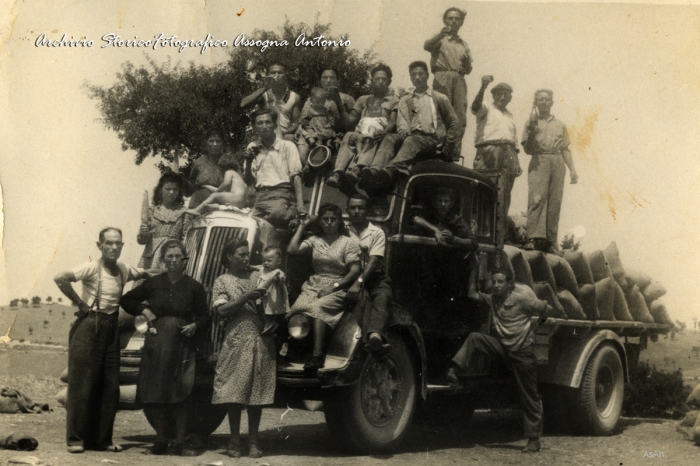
(598, 401)
(373, 414)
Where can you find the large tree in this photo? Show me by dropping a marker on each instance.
(163, 110)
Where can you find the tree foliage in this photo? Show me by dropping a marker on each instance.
(655, 393)
(164, 109)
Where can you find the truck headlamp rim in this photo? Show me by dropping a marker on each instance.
(299, 326)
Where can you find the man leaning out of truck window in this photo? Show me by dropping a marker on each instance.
(447, 227)
(512, 305)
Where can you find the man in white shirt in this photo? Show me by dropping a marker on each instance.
(374, 279)
(274, 167)
(93, 346)
(496, 141)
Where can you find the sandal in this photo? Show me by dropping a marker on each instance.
(254, 451)
(234, 450)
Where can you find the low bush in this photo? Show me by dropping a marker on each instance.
(655, 393)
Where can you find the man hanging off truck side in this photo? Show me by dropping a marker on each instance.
(511, 306)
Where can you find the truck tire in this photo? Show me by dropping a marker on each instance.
(373, 414)
(203, 418)
(597, 402)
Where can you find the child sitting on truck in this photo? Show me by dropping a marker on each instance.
(232, 192)
(317, 124)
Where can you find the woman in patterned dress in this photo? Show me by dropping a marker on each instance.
(165, 220)
(336, 263)
(246, 369)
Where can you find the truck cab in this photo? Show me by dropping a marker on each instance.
(369, 400)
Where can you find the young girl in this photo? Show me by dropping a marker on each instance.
(231, 192)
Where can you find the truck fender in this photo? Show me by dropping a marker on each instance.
(569, 357)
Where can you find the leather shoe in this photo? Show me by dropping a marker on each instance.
(533, 446)
(333, 181)
(368, 179)
(315, 363)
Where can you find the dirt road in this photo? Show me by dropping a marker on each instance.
(300, 437)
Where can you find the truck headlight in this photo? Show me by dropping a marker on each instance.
(298, 326)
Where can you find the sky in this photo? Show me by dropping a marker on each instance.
(625, 77)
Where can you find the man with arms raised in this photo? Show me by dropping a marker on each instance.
(273, 166)
(372, 241)
(93, 347)
(511, 305)
(276, 96)
(496, 152)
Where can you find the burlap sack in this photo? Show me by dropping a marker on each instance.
(620, 308)
(539, 267)
(599, 265)
(690, 418)
(64, 376)
(521, 268)
(696, 431)
(659, 313)
(640, 279)
(580, 266)
(563, 275)
(546, 293)
(572, 308)
(605, 298)
(638, 306)
(612, 255)
(693, 400)
(589, 303)
(62, 396)
(654, 290)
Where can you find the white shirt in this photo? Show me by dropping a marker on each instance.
(112, 287)
(277, 165)
(494, 126)
(372, 238)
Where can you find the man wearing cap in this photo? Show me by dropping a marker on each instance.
(547, 141)
(496, 140)
(450, 61)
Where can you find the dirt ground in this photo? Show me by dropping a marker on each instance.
(300, 437)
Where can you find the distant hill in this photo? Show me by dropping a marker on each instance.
(50, 323)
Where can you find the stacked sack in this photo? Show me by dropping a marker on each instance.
(591, 286)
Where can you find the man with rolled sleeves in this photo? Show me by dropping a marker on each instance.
(450, 61)
(93, 344)
(511, 306)
(274, 167)
(547, 141)
(496, 141)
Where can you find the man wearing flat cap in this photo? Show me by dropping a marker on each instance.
(496, 145)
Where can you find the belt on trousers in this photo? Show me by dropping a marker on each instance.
(440, 70)
(262, 189)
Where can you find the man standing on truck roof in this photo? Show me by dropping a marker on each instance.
(374, 279)
(273, 165)
(426, 121)
(511, 306)
(495, 142)
(546, 139)
(450, 61)
(93, 346)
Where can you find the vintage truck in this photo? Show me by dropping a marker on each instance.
(369, 402)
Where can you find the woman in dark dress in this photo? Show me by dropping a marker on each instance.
(206, 169)
(176, 309)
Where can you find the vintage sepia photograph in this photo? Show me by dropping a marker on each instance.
(349, 232)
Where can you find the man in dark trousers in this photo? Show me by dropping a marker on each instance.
(512, 305)
(374, 279)
(93, 346)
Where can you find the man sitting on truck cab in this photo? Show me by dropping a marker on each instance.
(511, 306)
(426, 121)
(273, 165)
(374, 279)
(446, 226)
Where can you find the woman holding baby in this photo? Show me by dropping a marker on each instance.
(246, 369)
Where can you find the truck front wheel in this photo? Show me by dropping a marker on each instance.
(598, 401)
(373, 414)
